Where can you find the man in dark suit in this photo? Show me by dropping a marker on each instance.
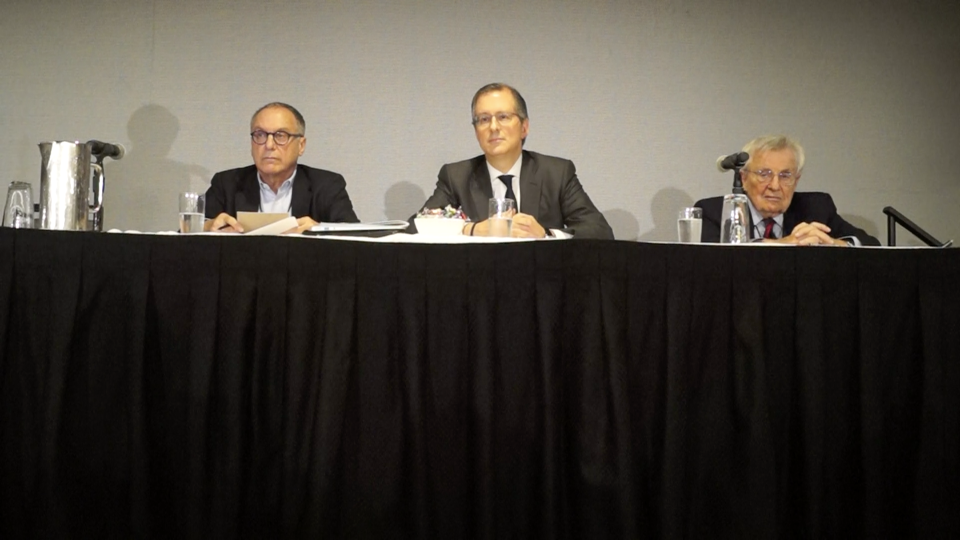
(551, 200)
(778, 214)
(275, 182)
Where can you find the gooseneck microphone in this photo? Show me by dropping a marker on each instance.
(733, 161)
(106, 150)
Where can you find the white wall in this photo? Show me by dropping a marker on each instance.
(643, 95)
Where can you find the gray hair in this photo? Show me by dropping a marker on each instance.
(498, 87)
(769, 143)
(301, 123)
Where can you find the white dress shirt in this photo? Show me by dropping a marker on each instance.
(500, 190)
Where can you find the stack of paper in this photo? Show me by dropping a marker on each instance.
(265, 224)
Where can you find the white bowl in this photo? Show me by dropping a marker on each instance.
(438, 226)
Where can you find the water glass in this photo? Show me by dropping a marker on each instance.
(191, 212)
(18, 212)
(735, 220)
(689, 224)
(500, 217)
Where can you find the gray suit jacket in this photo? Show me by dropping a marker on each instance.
(549, 191)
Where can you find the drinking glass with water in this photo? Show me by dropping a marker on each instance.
(689, 225)
(501, 217)
(191, 212)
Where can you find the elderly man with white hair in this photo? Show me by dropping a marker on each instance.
(777, 212)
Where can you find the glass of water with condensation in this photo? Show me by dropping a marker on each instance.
(191, 212)
(689, 222)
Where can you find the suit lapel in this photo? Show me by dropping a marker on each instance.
(529, 187)
(480, 190)
(302, 194)
(248, 198)
(789, 220)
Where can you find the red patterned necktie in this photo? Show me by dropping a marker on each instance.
(768, 230)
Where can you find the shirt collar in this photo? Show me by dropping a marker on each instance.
(757, 219)
(285, 185)
(514, 170)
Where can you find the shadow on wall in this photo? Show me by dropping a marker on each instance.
(625, 226)
(141, 189)
(403, 200)
(867, 225)
(664, 207)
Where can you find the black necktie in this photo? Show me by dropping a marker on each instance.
(507, 180)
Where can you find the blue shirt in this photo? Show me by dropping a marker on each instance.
(280, 202)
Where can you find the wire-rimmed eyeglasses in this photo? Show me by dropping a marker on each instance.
(483, 120)
(786, 178)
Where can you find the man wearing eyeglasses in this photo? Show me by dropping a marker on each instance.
(276, 182)
(778, 213)
(549, 197)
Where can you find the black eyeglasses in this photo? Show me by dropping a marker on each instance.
(279, 137)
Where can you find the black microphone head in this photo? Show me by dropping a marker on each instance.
(102, 149)
(96, 147)
(720, 166)
(733, 161)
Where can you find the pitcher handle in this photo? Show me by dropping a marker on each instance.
(97, 187)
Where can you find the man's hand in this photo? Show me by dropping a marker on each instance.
(303, 224)
(811, 234)
(526, 226)
(480, 228)
(223, 223)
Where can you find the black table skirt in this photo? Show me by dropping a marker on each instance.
(159, 386)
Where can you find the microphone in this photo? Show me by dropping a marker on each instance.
(733, 161)
(106, 150)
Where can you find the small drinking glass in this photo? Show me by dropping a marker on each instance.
(689, 223)
(500, 217)
(18, 212)
(191, 212)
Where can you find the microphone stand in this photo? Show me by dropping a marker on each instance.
(737, 217)
(737, 182)
(735, 162)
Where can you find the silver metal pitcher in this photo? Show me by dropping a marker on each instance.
(71, 187)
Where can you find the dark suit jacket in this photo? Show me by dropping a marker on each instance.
(805, 207)
(317, 193)
(549, 191)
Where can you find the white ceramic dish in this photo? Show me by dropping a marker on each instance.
(438, 226)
